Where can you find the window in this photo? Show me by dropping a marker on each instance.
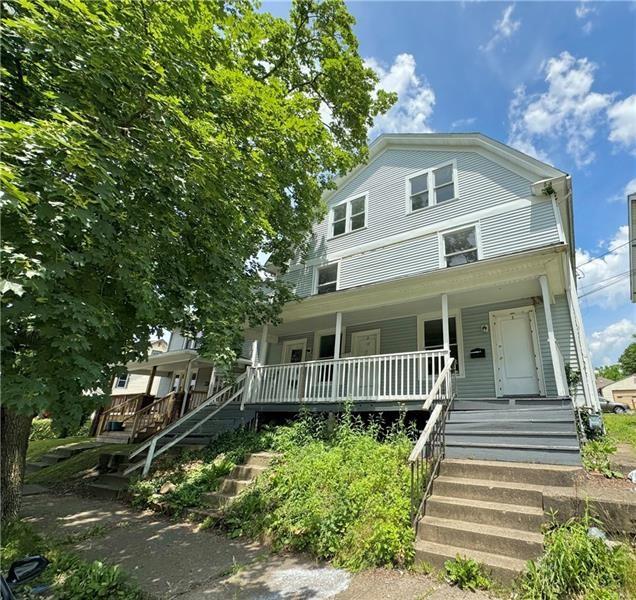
(434, 337)
(349, 215)
(460, 247)
(431, 187)
(327, 279)
(121, 381)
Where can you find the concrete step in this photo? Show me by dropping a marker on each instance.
(217, 499)
(107, 491)
(517, 426)
(247, 471)
(200, 514)
(489, 491)
(34, 467)
(114, 479)
(114, 437)
(553, 475)
(513, 516)
(260, 459)
(233, 487)
(521, 545)
(502, 568)
(498, 437)
(510, 403)
(543, 455)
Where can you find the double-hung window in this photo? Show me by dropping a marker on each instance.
(431, 187)
(459, 247)
(349, 215)
(434, 338)
(121, 381)
(327, 279)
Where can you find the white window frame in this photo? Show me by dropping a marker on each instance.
(357, 334)
(442, 248)
(126, 382)
(348, 216)
(432, 196)
(288, 343)
(319, 333)
(436, 316)
(317, 272)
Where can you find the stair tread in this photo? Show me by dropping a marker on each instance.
(511, 465)
(483, 529)
(485, 558)
(512, 433)
(512, 446)
(515, 508)
(107, 486)
(531, 487)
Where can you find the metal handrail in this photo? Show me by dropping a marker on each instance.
(151, 444)
(428, 451)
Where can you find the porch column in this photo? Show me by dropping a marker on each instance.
(445, 328)
(186, 387)
(555, 354)
(254, 357)
(151, 380)
(336, 356)
(263, 349)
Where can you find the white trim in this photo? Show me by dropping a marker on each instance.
(538, 358)
(456, 222)
(126, 382)
(347, 219)
(432, 196)
(323, 332)
(555, 353)
(558, 221)
(442, 249)
(357, 334)
(288, 343)
(436, 316)
(322, 266)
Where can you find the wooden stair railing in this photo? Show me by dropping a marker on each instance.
(160, 413)
(121, 409)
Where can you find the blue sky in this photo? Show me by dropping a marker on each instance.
(554, 79)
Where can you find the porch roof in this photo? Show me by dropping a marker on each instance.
(167, 362)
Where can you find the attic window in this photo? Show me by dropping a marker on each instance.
(430, 187)
(349, 215)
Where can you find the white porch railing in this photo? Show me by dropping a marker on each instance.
(404, 376)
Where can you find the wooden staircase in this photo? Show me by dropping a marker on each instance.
(490, 511)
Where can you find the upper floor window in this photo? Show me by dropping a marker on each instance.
(349, 215)
(460, 247)
(431, 187)
(121, 381)
(327, 279)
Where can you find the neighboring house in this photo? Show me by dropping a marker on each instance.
(129, 383)
(440, 246)
(601, 382)
(623, 391)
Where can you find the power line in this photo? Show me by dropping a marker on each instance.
(604, 254)
(604, 287)
(603, 280)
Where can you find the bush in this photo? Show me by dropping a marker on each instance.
(70, 577)
(466, 574)
(41, 429)
(575, 565)
(340, 491)
(596, 456)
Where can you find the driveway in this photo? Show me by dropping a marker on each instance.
(173, 560)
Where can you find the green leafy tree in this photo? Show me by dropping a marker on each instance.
(627, 360)
(152, 150)
(613, 372)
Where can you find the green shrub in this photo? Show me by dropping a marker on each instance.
(70, 576)
(596, 456)
(466, 574)
(576, 565)
(340, 491)
(41, 429)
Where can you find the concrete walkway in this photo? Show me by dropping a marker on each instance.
(173, 560)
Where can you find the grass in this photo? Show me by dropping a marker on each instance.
(622, 428)
(73, 468)
(38, 448)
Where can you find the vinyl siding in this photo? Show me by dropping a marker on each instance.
(275, 351)
(396, 335)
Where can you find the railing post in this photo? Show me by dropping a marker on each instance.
(151, 455)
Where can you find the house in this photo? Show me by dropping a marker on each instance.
(623, 391)
(444, 267)
(128, 384)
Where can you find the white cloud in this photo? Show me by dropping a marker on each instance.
(630, 188)
(584, 12)
(467, 122)
(608, 344)
(416, 97)
(622, 117)
(569, 110)
(504, 28)
(607, 277)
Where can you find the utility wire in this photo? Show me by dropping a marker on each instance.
(604, 254)
(583, 287)
(603, 287)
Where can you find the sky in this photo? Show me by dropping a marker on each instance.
(556, 80)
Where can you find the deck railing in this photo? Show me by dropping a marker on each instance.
(121, 407)
(427, 454)
(404, 376)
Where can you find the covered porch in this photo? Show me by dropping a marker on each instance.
(508, 327)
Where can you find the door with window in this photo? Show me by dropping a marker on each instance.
(294, 351)
(365, 343)
(518, 368)
(367, 380)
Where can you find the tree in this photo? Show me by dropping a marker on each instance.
(613, 372)
(153, 150)
(627, 360)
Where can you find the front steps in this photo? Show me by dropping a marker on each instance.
(489, 511)
(528, 430)
(58, 455)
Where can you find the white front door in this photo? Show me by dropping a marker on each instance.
(516, 353)
(294, 351)
(365, 343)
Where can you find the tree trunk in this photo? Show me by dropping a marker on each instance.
(14, 439)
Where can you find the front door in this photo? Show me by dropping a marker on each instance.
(516, 352)
(365, 343)
(294, 351)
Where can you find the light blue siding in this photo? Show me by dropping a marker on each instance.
(396, 335)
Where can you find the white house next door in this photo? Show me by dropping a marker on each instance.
(516, 353)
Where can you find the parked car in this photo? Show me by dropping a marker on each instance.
(617, 408)
(21, 572)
